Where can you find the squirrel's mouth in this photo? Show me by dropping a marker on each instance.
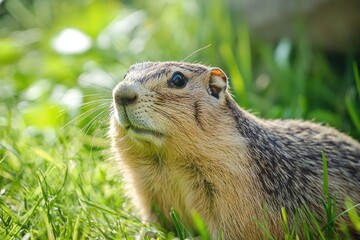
(138, 133)
(142, 131)
(143, 135)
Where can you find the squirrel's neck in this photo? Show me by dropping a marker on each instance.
(246, 123)
(268, 152)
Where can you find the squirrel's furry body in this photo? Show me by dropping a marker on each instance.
(191, 148)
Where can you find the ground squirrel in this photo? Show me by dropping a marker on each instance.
(183, 143)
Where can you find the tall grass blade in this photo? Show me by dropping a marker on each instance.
(75, 234)
(351, 109)
(237, 79)
(264, 230)
(285, 223)
(314, 222)
(200, 226)
(357, 77)
(325, 176)
(353, 215)
(178, 225)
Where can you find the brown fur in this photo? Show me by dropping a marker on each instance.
(201, 152)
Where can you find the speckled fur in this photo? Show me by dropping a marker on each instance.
(219, 160)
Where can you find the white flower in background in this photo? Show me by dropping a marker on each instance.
(71, 41)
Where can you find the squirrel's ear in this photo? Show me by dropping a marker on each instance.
(218, 82)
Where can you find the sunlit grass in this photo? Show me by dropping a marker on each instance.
(66, 189)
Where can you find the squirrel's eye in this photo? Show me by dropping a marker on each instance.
(178, 80)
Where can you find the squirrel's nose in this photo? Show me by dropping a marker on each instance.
(125, 95)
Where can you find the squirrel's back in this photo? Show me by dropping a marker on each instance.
(289, 155)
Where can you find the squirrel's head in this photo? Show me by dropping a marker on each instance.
(159, 102)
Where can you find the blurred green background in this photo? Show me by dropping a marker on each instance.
(59, 60)
(53, 53)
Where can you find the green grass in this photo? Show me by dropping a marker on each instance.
(63, 189)
(57, 178)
